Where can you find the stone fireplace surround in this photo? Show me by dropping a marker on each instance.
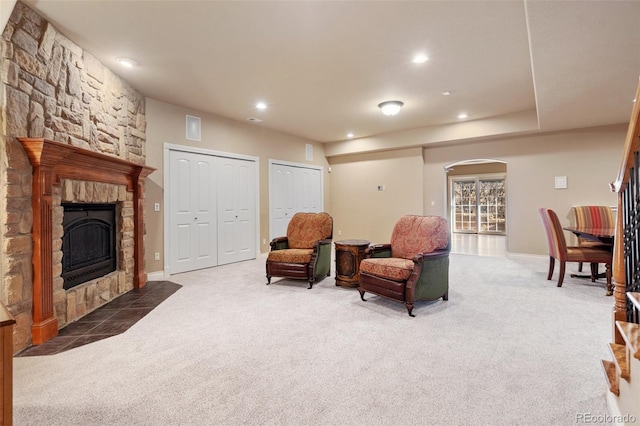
(62, 173)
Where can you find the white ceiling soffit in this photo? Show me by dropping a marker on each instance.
(324, 66)
(586, 61)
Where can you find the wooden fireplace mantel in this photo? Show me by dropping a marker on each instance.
(53, 161)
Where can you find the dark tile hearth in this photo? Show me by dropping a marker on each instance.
(109, 320)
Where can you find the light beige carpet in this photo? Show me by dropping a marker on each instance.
(508, 348)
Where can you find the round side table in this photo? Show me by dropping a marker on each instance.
(349, 253)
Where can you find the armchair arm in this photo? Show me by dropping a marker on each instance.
(430, 277)
(320, 264)
(377, 250)
(424, 257)
(279, 243)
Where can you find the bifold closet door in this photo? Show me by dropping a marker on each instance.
(293, 189)
(308, 190)
(282, 199)
(192, 210)
(236, 210)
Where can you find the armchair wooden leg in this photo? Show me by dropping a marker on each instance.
(362, 292)
(268, 279)
(580, 267)
(310, 285)
(410, 309)
(445, 296)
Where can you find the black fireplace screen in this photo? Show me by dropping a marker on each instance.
(88, 242)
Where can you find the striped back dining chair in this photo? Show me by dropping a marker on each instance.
(593, 217)
(559, 250)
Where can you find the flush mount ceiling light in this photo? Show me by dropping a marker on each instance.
(261, 105)
(390, 107)
(127, 62)
(462, 116)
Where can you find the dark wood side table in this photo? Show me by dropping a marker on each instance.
(349, 253)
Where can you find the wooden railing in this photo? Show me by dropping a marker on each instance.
(626, 254)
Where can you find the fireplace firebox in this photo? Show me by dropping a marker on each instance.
(88, 242)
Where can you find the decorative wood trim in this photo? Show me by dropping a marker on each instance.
(53, 161)
(6, 367)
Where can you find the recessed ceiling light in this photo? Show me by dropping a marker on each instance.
(349, 135)
(420, 59)
(127, 62)
(462, 116)
(261, 105)
(446, 93)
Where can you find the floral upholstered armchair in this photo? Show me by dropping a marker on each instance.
(305, 253)
(414, 266)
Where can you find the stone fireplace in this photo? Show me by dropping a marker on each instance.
(88, 242)
(68, 175)
(73, 300)
(52, 88)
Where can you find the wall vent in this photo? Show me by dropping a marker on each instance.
(193, 128)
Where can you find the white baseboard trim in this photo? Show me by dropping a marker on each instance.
(155, 276)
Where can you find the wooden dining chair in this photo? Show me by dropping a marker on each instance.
(593, 217)
(559, 250)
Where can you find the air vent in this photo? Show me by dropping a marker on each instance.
(193, 128)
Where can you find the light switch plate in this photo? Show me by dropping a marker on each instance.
(561, 182)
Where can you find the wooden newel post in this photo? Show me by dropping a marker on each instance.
(619, 312)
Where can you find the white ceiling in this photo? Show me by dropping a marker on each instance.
(323, 66)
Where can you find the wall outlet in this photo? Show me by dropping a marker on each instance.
(380, 187)
(264, 241)
(156, 256)
(339, 232)
(156, 207)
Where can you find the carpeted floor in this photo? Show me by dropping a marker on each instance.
(508, 348)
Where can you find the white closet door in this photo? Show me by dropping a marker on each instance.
(236, 210)
(308, 191)
(293, 189)
(283, 203)
(192, 212)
